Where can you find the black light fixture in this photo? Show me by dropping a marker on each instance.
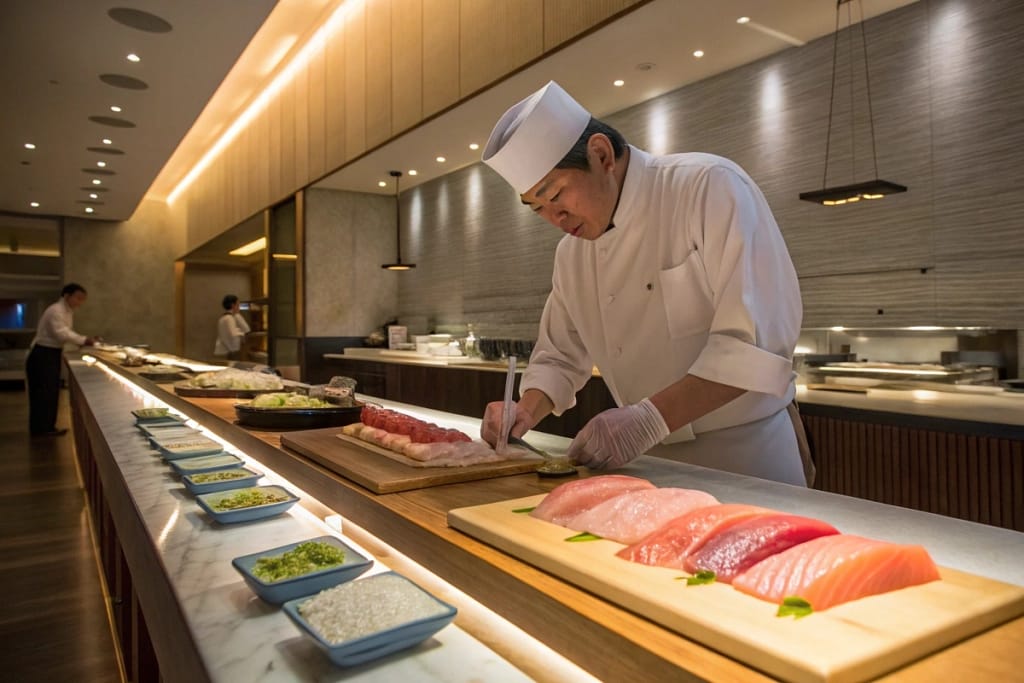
(839, 195)
(398, 265)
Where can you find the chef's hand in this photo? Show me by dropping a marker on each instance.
(614, 437)
(491, 424)
(91, 341)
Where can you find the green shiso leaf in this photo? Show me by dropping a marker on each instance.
(584, 536)
(521, 511)
(700, 578)
(794, 607)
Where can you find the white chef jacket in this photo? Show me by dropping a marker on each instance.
(54, 328)
(694, 278)
(231, 327)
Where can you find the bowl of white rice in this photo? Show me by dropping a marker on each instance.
(370, 617)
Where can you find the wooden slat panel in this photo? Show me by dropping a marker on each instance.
(498, 37)
(564, 19)
(440, 54)
(378, 72)
(355, 82)
(286, 165)
(300, 150)
(964, 476)
(335, 73)
(318, 86)
(406, 64)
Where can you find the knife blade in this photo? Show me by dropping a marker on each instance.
(508, 410)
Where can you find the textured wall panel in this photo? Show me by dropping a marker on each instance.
(498, 36)
(316, 114)
(565, 19)
(354, 37)
(335, 102)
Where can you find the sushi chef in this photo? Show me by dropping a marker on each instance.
(673, 279)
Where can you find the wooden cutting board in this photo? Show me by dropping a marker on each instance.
(848, 643)
(385, 472)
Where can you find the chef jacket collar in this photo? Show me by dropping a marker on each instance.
(638, 159)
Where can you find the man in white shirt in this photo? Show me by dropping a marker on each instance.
(43, 365)
(674, 280)
(231, 330)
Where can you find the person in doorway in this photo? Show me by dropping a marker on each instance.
(673, 279)
(231, 330)
(43, 365)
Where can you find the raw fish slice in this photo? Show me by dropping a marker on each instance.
(570, 499)
(630, 516)
(835, 569)
(669, 545)
(740, 547)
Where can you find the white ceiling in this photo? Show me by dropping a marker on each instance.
(54, 52)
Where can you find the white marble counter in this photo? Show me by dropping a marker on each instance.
(238, 636)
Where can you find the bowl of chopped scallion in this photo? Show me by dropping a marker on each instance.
(298, 569)
(243, 505)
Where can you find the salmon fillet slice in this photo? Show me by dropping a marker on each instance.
(572, 498)
(733, 551)
(669, 545)
(831, 570)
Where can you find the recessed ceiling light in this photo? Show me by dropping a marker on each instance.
(473, 146)
(107, 141)
(88, 209)
(93, 195)
(101, 164)
(115, 108)
(381, 183)
(34, 205)
(618, 83)
(441, 160)
(29, 145)
(698, 53)
(412, 171)
(133, 58)
(97, 181)
(742, 20)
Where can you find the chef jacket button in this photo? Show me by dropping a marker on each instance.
(611, 298)
(618, 351)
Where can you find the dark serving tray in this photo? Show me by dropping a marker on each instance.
(183, 389)
(297, 418)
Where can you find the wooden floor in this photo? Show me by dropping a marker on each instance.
(53, 620)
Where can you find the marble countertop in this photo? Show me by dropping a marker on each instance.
(238, 636)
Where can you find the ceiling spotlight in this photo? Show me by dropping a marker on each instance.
(473, 146)
(743, 20)
(441, 160)
(645, 66)
(115, 108)
(412, 171)
(101, 164)
(381, 183)
(29, 145)
(107, 141)
(133, 58)
(698, 53)
(93, 195)
(618, 83)
(97, 181)
(34, 205)
(88, 209)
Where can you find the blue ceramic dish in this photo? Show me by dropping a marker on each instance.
(165, 431)
(209, 501)
(206, 463)
(249, 478)
(281, 591)
(380, 643)
(153, 415)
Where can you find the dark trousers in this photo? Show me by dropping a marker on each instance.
(42, 372)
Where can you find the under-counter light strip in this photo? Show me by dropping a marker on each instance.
(316, 43)
(887, 371)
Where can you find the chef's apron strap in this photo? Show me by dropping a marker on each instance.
(802, 443)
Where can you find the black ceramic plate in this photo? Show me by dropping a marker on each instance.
(183, 388)
(297, 418)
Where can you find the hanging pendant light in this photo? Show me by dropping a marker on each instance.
(839, 195)
(398, 265)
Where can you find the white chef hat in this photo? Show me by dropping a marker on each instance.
(534, 135)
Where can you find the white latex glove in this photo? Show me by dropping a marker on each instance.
(614, 437)
(491, 424)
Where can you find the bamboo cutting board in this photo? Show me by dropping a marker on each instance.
(848, 643)
(382, 472)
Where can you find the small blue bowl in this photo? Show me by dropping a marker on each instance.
(307, 584)
(208, 501)
(162, 431)
(188, 447)
(205, 463)
(196, 488)
(382, 642)
(154, 416)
